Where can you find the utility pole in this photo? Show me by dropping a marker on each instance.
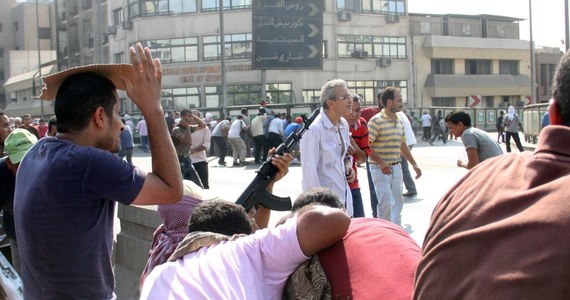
(223, 56)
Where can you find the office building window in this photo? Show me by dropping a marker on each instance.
(489, 101)
(213, 96)
(509, 67)
(478, 67)
(118, 57)
(1, 53)
(442, 66)
(1, 29)
(425, 27)
(180, 98)
(117, 17)
(142, 8)
(443, 101)
(376, 6)
(16, 26)
(279, 92)
(174, 50)
(402, 84)
(365, 88)
(213, 5)
(238, 46)
(44, 33)
(311, 96)
(374, 46)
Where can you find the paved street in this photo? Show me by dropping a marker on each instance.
(438, 164)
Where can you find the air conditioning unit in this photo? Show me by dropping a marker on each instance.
(127, 25)
(392, 18)
(112, 30)
(344, 16)
(359, 54)
(383, 62)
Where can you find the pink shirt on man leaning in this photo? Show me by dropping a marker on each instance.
(252, 267)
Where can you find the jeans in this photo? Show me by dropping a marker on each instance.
(517, 139)
(372, 190)
(188, 171)
(127, 153)
(389, 193)
(408, 179)
(427, 133)
(220, 142)
(357, 205)
(202, 170)
(144, 143)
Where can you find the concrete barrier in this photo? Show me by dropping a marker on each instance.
(138, 223)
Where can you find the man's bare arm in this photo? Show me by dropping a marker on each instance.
(164, 184)
(332, 226)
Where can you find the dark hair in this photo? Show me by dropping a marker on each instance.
(561, 88)
(458, 116)
(244, 111)
(185, 111)
(79, 96)
(356, 98)
(323, 196)
(219, 216)
(52, 122)
(389, 93)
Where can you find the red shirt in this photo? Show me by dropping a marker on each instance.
(360, 135)
(376, 259)
(368, 112)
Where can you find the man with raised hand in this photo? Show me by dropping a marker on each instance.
(67, 187)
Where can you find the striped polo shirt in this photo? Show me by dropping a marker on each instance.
(386, 136)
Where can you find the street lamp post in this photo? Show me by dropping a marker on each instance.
(566, 24)
(532, 67)
(223, 58)
(39, 57)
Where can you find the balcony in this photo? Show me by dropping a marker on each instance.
(461, 85)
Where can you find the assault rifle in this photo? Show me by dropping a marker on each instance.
(255, 194)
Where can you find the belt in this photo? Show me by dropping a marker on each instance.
(394, 163)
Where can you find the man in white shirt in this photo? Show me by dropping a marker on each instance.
(325, 154)
(259, 139)
(275, 132)
(236, 142)
(198, 151)
(410, 141)
(426, 126)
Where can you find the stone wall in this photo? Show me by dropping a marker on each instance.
(138, 223)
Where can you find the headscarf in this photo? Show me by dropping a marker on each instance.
(512, 112)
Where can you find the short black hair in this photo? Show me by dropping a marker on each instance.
(320, 195)
(52, 122)
(458, 116)
(561, 88)
(78, 98)
(219, 216)
(185, 111)
(389, 93)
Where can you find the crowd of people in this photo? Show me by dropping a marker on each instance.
(494, 235)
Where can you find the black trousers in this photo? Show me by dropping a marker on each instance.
(188, 171)
(202, 170)
(222, 146)
(260, 149)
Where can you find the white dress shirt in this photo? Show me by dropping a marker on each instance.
(200, 137)
(410, 136)
(322, 158)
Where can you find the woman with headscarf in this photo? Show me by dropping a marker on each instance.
(512, 126)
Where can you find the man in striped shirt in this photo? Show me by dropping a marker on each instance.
(387, 143)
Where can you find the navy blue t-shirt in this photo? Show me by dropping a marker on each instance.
(64, 210)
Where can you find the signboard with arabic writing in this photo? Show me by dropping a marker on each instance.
(287, 34)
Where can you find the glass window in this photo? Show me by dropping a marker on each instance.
(373, 6)
(237, 46)
(442, 66)
(376, 46)
(509, 67)
(477, 67)
(180, 98)
(117, 17)
(118, 57)
(311, 96)
(174, 50)
(213, 96)
(443, 101)
(212, 5)
(402, 84)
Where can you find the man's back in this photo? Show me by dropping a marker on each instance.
(479, 140)
(64, 201)
(251, 267)
(500, 233)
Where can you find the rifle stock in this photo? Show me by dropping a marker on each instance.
(256, 194)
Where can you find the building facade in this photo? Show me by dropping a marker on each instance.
(365, 44)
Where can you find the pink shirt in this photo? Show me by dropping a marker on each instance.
(252, 267)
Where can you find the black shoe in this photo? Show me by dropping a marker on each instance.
(430, 143)
(408, 194)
